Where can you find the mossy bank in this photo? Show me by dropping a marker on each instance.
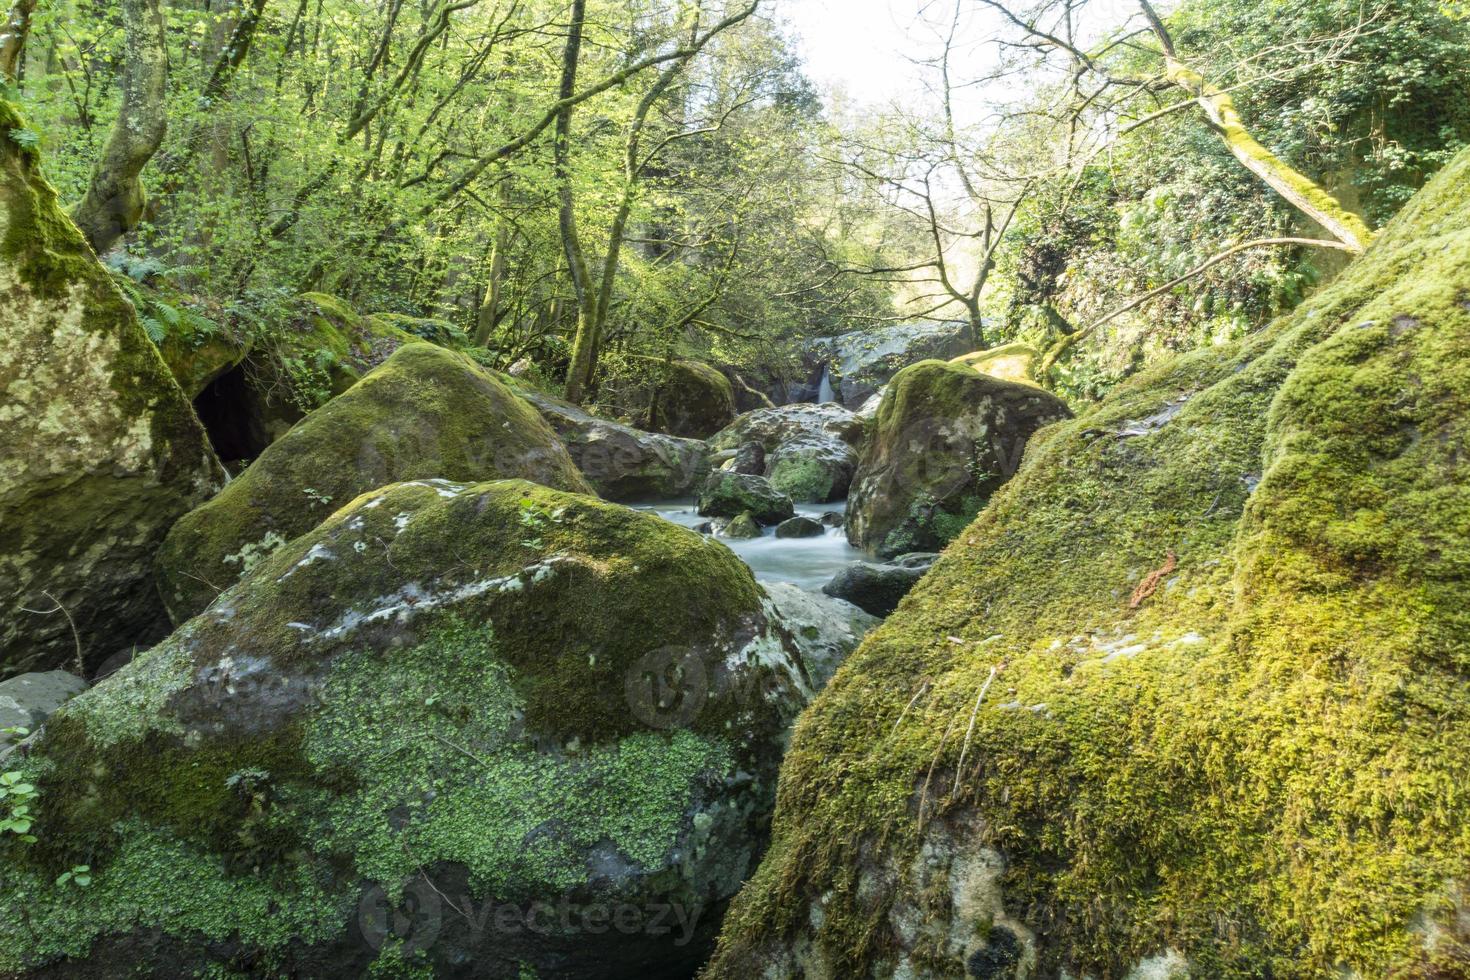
(1188, 697)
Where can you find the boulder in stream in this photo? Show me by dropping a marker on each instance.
(877, 588)
(805, 450)
(945, 438)
(800, 526)
(727, 494)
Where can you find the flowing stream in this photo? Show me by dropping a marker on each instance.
(808, 563)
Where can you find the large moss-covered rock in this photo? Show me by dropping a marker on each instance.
(99, 453)
(621, 462)
(427, 413)
(198, 340)
(805, 450)
(945, 438)
(691, 400)
(1189, 697)
(488, 730)
(1010, 362)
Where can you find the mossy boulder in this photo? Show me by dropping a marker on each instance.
(426, 413)
(198, 340)
(805, 450)
(100, 451)
(621, 462)
(434, 330)
(692, 400)
(945, 438)
(1189, 697)
(730, 494)
(487, 724)
(742, 527)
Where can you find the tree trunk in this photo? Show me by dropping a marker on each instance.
(114, 201)
(1299, 190)
(231, 56)
(579, 370)
(13, 40)
(489, 314)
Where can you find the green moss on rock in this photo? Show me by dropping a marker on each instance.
(693, 400)
(441, 683)
(427, 413)
(1205, 663)
(101, 452)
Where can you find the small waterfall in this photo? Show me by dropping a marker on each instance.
(824, 390)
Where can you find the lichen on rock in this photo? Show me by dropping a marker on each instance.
(101, 452)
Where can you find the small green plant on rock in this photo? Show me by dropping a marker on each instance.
(16, 797)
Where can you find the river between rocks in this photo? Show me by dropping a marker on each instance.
(808, 563)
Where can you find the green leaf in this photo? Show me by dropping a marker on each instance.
(26, 139)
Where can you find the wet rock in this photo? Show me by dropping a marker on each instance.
(28, 700)
(825, 629)
(862, 361)
(800, 527)
(807, 450)
(945, 439)
(878, 588)
(727, 494)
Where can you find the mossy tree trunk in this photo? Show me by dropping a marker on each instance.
(13, 40)
(113, 204)
(1297, 189)
(595, 299)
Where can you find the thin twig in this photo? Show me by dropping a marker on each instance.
(974, 712)
(75, 636)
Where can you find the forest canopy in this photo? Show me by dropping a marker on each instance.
(593, 188)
